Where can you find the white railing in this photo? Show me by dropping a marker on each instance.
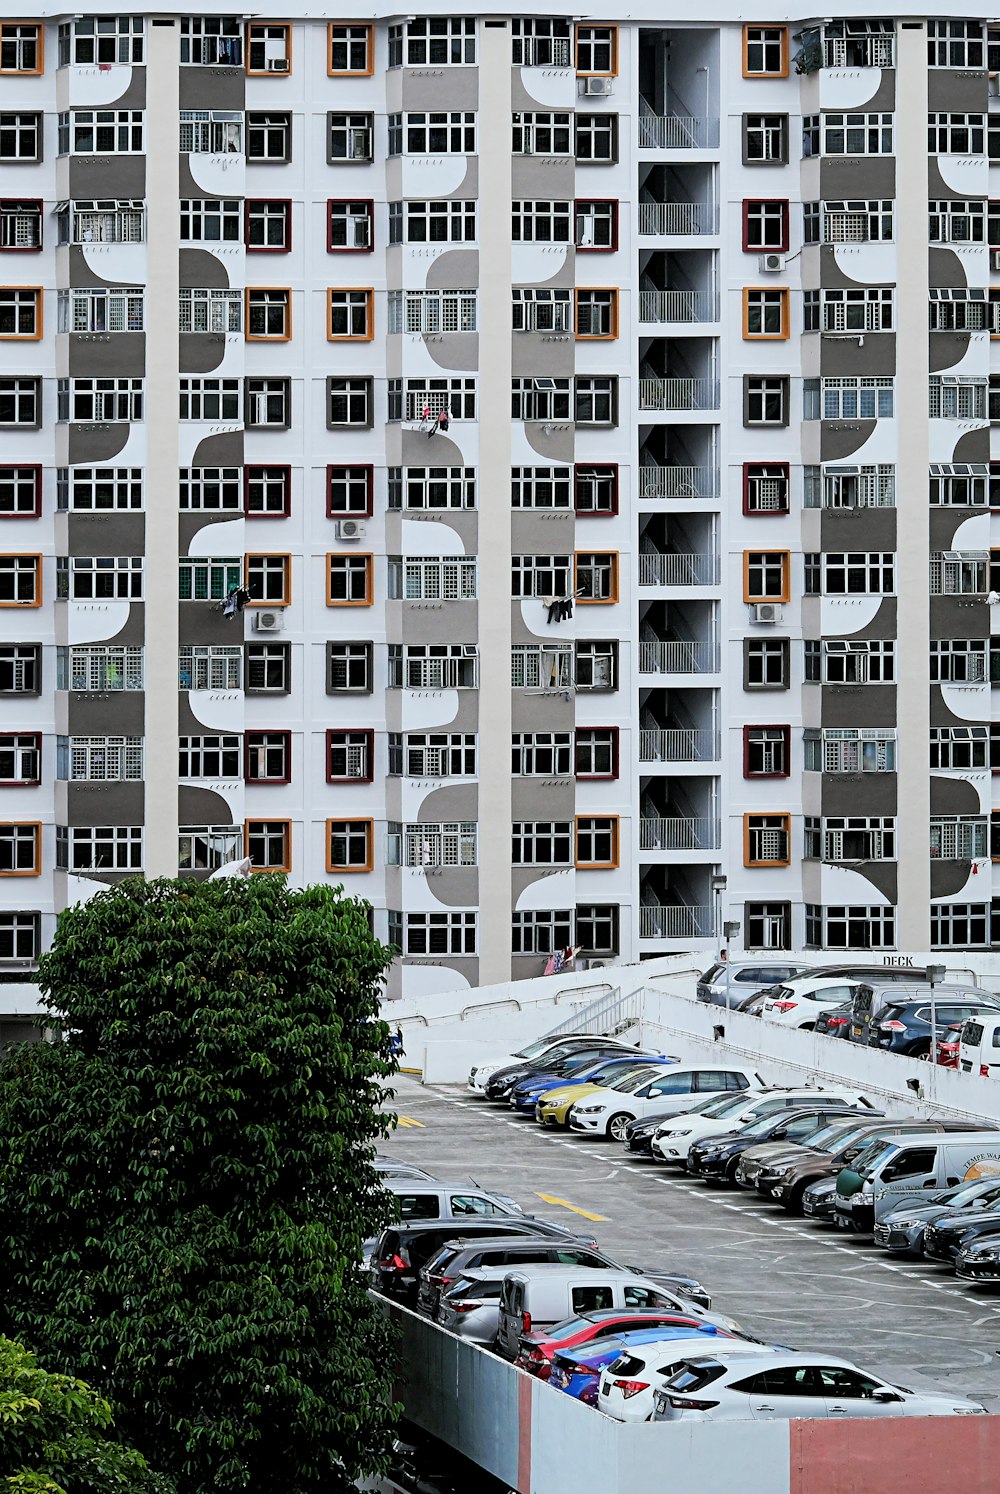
(679, 835)
(604, 1016)
(678, 306)
(678, 744)
(683, 219)
(678, 570)
(677, 132)
(674, 921)
(678, 657)
(678, 394)
(678, 482)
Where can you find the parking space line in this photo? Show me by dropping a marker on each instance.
(407, 1120)
(563, 1203)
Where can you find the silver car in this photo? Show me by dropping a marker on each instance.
(740, 978)
(470, 1307)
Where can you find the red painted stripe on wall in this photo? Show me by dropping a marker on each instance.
(924, 1455)
(525, 1385)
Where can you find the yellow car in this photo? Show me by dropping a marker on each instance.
(553, 1107)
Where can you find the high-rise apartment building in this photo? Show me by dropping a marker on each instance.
(598, 415)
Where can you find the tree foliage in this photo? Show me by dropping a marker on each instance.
(186, 1180)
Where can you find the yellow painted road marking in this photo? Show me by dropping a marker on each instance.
(564, 1204)
(407, 1120)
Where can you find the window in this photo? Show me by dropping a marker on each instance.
(962, 661)
(959, 747)
(102, 667)
(210, 666)
(268, 403)
(210, 488)
(765, 400)
(207, 578)
(538, 41)
(216, 132)
(350, 137)
(20, 668)
(210, 399)
(434, 933)
(431, 311)
(269, 138)
(859, 222)
(958, 837)
(86, 578)
(848, 399)
(206, 847)
(87, 310)
(597, 664)
(595, 490)
(424, 399)
(104, 222)
(21, 758)
(99, 848)
(847, 135)
(595, 399)
(848, 311)
(21, 47)
(956, 134)
(768, 925)
(100, 759)
(431, 487)
(767, 751)
(87, 40)
(349, 490)
(349, 668)
(350, 315)
(268, 227)
(20, 137)
(269, 47)
(955, 398)
(540, 576)
(850, 838)
(433, 666)
(960, 925)
(268, 492)
(596, 313)
(20, 314)
(765, 51)
(349, 580)
(432, 755)
(350, 226)
(21, 402)
(540, 487)
(596, 137)
(349, 402)
(765, 139)
(596, 225)
(100, 400)
(451, 221)
(211, 41)
(350, 50)
(534, 221)
(541, 931)
(596, 752)
(20, 937)
(766, 575)
(20, 222)
(541, 310)
(20, 850)
(542, 843)
(964, 311)
(542, 754)
(269, 314)
(350, 756)
(767, 839)
(269, 580)
(765, 224)
(858, 44)
(954, 573)
(853, 928)
(207, 310)
(596, 50)
(534, 667)
(850, 749)
(766, 664)
(954, 221)
(766, 487)
(850, 487)
(429, 578)
(87, 132)
(597, 928)
(597, 841)
(20, 580)
(20, 492)
(350, 845)
(433, 41)
(269, 844)
(438, 134)
(595, 576)
(765, 312)
(455, 843)
(957, 44)
(269, 668)
(838, 661)
(209, 757)
(861, 573)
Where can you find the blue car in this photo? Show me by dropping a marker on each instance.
(577, 1372)
(586, 1071)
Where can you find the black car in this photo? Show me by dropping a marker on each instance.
(716, 1157)
(835, 1021)
(639, 1133)
(944, 1240)
(905, 1026)
(502, 1081)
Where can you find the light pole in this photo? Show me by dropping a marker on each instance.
(935, 974)
(719, 884)
(730, 931)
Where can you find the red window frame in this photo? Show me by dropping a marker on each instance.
(247, 749)
(25, 782)
(601, 513)
(258, 513)
(27, 248)
(611, 248)
(331, 247)
(286, 203)
(615, 733)
(767, 726)
(772, 513)
(348, 513)
(35, 467)
(355, 731)
(781, 248)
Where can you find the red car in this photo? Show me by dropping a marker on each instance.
(947, 1047)
(537, 1349)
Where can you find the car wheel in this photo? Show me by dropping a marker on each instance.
(921, 1050)
(616, 1127)
(731, 1169)
(806, 1026)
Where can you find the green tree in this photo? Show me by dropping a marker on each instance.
(56, 1435)
(186, 1179)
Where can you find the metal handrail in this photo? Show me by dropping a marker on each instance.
(678, 306)
(680, 219)
(678, 482)
(678, 744)
(679, 656)
(679, 834)
(674, 569)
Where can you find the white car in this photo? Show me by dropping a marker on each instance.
(629, 1382)
(674, 1139)
(532, 1053)
(786, 1386)
(798, 1002)
(669, 1092)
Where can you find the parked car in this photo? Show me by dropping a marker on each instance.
(607, 1114)
(402, 1249)
(949, 1045)
(780, 1386)
(639, 1133)
(979, 1260)
(819, 1201)
(502, 1081)
(836, 1022)
(524, 1095)
(470, 1305)
(628, 1383)
(945, 1238)
(389, 1167)
(543, 1048)
(538, 1347)
(906, 1026)
(797, 1003)
(979, 1047)
(577, 1372)
(735, 976)
(553, 1108)
(675, 1137)
(716, 1158)
(781, 1176)
(871, 1001)
(421, 1198)
(902, 1229)
(893, 1166)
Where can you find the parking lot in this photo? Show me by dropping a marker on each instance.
(788, 1281)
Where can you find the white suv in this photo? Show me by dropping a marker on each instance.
(608, 1113)
(798, 1002)
(674, 1139)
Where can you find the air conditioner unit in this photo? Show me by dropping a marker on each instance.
(351, 529)
(278, 65)
(596, 964)
(995, 259)
(601, 88)
(17, 964)
(269, 622)
(766, 612)
(770, 264)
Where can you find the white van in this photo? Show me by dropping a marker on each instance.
(979, 1046)
(912, 1163)
(536, 1297)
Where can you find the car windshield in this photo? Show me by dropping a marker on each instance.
(710, 974)
(633, 1081)
(836, 1136)
(569, 1066)
(567, 1329)
(715, 1105)
(534, 1050)
(877, 1150)
(758, 1127)
(967, 1191)
(730, 1106)
(612, 1078)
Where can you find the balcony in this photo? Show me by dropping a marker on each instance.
(678, 394)
(678, 744)
(679, 656)
(677, 132)
(678, 482)
(677, 219)
(678, 306)
(679, 834)
(678, 570)
(675, 921)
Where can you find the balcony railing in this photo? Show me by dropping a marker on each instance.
(678, 570)
(678, 744)
(679, 835)
(680, 219)
(675, 921)
(678, 306)
(677, 132)
(679, 657)
(678, 482)
(678, 394)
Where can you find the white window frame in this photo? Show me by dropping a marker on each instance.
(847, 662)
(850, 749)
(210, 666)
(433, 666)
(857, 134)
(428, 845)
(89, 41)
(211, 41)
(207, 847)
(542, 310)
(433, 41)
(434, 578)
(206, 756)
(432, 311)
(847, 486)
(960, 573)
(955, 837)
(542, 843)
(100, 667)
(114, 309)
(430, 934)
(104, 221)
(960, 925)
(433, 133)
(538, 666)
(542, 754)
(956, 397)
(878, 923)
(541, 576)
(101, 401)
(959, 484)
(956, 134)
(541, 41)
(203, 578)
(862, 310)
(208, 310)
(210, 489)
(959, 748)
(846, 398)
(541, 399)
(541, 931)
(966, 310)
(97, 578)
(854, 44)
(962, 661)
(78, 846)
(955, 44)
(200, 394)
(422, 488)
(101, 132)
(100, 759)
(212, 132)
(542, 487)
(853, 573)
(953, 221)
(449, 221)
(433, 755)
(536, 220)
(538, 133)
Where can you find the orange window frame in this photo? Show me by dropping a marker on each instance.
(338, 290)
(780, 290)
(266, 72)
(368, 72)
(35, 336)
(615, 557)
(286, 568)
(28, 72)
(783, 72)
(994, 834)
(287, 862)
(368, 557)
(615, 822)
(591, 26)
(36, 870)
(771, 815)
(580, 290)
(11, 555)
(285, 336)
(369, 824)
(786, 576)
